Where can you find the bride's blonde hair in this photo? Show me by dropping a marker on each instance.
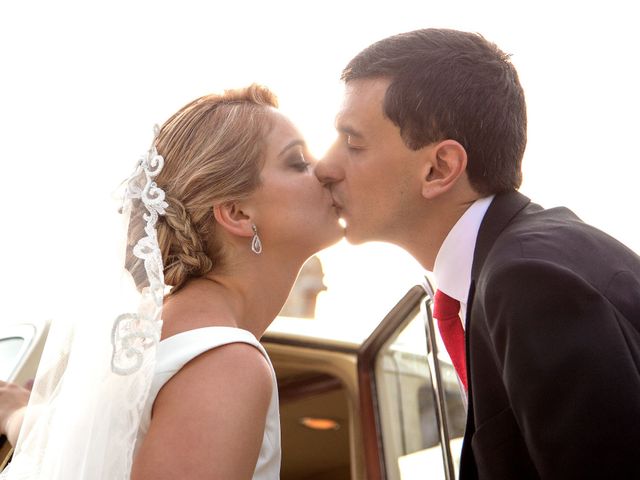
(214, 150)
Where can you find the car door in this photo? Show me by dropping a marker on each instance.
(412, 406)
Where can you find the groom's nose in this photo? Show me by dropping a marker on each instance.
(330, 168)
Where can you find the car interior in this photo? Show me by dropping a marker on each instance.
(316, 405)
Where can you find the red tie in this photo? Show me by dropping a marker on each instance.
(447, 310)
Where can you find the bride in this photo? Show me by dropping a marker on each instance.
(236, 210)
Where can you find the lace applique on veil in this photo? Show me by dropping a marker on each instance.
(134, 333)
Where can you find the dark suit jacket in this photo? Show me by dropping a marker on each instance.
(553, 349)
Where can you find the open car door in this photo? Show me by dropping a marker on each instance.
(412, 406)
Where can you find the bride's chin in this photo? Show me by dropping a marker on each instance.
(320, 238)
(332, 235)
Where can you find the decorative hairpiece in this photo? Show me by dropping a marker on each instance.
(135, 333)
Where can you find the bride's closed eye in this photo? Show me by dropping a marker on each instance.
(298, 161)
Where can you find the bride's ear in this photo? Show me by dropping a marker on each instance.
(231, 217)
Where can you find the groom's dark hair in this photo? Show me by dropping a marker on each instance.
(447, 84)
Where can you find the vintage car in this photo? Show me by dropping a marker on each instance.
(385, 406)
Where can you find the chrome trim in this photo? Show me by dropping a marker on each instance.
(438, 389)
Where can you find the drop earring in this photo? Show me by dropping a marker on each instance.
(256, 244)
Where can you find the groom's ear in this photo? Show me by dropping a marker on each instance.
(233, 219)
(445, 163)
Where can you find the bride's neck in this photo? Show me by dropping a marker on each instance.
(246, 295)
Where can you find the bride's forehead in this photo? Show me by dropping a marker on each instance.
(281, 122)
(281, 134)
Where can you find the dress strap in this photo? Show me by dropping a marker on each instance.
(176, 351)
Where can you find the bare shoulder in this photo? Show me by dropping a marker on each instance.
(208, 420)
(233, 370)
(233, 364)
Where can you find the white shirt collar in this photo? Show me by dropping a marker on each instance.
(452, 267)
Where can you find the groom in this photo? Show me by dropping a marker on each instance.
(431, 137)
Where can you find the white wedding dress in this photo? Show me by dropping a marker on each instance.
(174, 352)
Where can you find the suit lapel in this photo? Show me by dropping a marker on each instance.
(499, 214)
(501, 211)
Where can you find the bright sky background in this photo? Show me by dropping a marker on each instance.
(82, 83)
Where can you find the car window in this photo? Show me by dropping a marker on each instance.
(10, 353)
(407, 405)
(16, 345)
(21, 346)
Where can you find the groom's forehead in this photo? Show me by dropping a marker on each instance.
(362, 104)
(365, 92)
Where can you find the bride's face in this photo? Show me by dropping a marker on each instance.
(294, 212)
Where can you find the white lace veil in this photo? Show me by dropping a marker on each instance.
(94, 376)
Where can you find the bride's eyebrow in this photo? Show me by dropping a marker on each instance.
(291, 144)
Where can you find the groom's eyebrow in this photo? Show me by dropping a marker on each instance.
(349, 131)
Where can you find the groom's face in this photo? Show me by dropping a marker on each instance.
(373, 176)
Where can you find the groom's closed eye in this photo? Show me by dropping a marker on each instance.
(354, 143)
